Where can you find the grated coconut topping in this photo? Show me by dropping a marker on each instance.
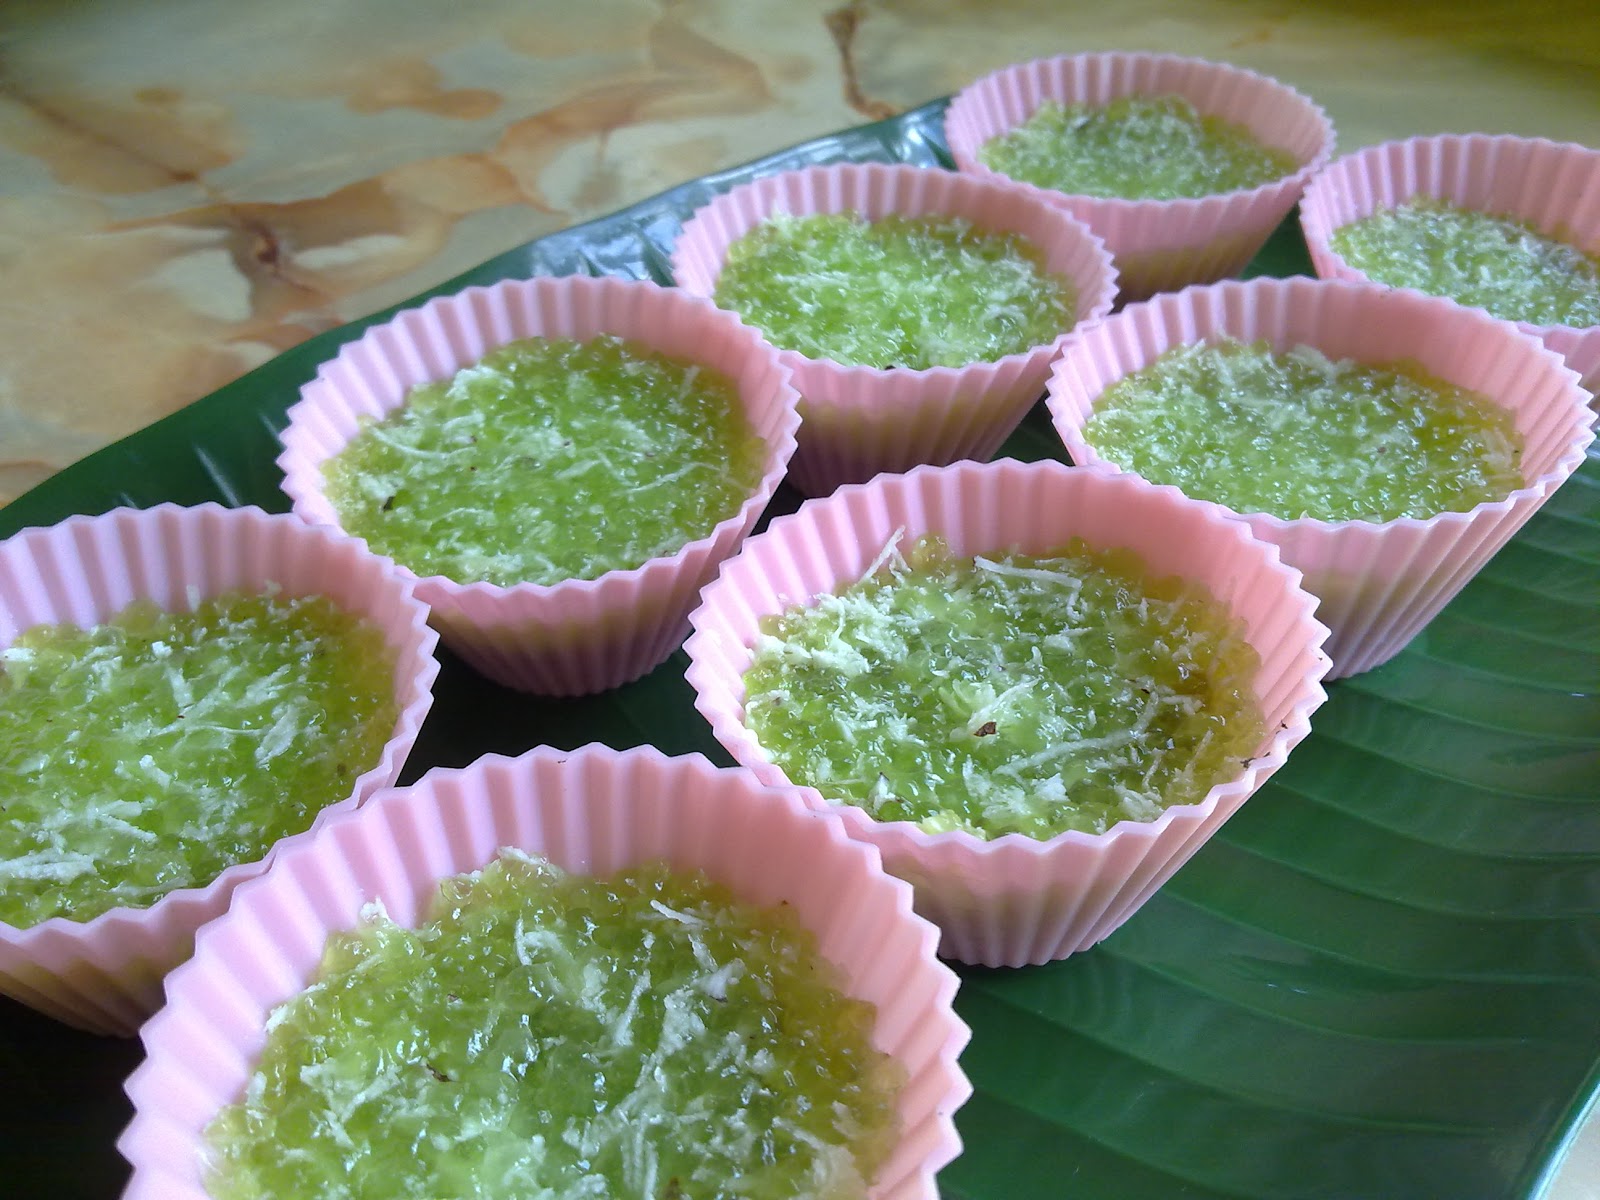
(913, 292)
(549, 460)
(1137, 148)
(1301, 435)
(1006, 695)
(1496, 263)
(553, 1035)
(150, 753)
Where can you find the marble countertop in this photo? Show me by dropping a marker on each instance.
(189, 187)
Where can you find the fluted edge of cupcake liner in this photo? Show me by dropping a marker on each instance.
(1378, 583)
(104, 975)
(856, 420)
(1554, 186)
(1015, 900)
(578, 635)
(1158, 245)
(593, 810)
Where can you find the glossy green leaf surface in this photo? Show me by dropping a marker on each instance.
(1381, 979)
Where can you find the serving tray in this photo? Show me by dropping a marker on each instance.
(1381, 979)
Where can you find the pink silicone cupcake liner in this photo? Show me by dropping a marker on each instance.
(857, 420)
(1379, 583)
(579, 635)
(1158, 245)
(592, 810)
(1554, 186)
(1015, 900)
(104, 974)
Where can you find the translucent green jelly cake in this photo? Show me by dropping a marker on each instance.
(1135, 148)
(913, 292)
(1008, 694)
(154, 751)
(1495, 263)
(550, 459)
(1299, 435)
(547, 1034)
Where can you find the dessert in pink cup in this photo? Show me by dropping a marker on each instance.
(1158, 245)
(1012, 899)
(591, 811)
(858, 420)
(576, 635)
(1552, 186)
(1379, 582)
(104, 973)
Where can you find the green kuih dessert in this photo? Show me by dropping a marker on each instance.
(1495, 263)
(913, 292)
(549, 460)
(547, 1034)
(1298, 435)
(1007, 694)
(152, 752)
(1135, 148)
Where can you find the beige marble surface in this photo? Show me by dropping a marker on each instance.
(188, 187)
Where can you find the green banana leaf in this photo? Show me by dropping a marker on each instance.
(1381, 979)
